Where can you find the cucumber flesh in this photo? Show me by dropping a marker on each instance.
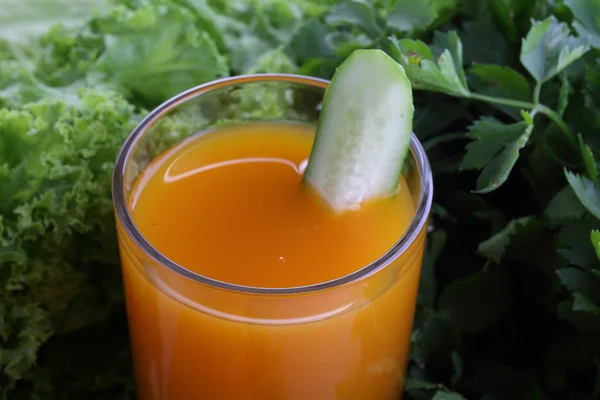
(363, 134)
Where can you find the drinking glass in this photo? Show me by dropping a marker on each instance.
(194, 337)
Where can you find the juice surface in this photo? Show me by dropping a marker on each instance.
(230, 205)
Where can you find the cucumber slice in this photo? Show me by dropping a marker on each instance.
(363, 133)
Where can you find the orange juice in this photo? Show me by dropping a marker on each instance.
(230, 205)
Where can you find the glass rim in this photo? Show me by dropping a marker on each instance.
(122, 212)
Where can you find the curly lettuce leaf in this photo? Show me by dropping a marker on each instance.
(23, 19)
(57, 226)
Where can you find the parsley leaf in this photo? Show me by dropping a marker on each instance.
(563, 96)
(588, 159)
(595, 238)
(475, 301)
(548, 48)
(504, 12)
(427, 284)
(583, 304)
(414, 384)
(443, 395)
(445, 76)
(494, 80)
(582, 317)
(484, 44)
(410, 15)
(587, 14)
(577, 280)
(345, 43)
(152, 63)
(450, 42)
(434, 336)
(494, 247)
(435, 114)
(565, 204)
(158, 64)
(587, 191)
(495, 150)
(307, 43)
(574, 243)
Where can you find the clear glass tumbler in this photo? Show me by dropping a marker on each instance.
(197, 338)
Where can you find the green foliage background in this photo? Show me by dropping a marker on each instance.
(507, 97)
